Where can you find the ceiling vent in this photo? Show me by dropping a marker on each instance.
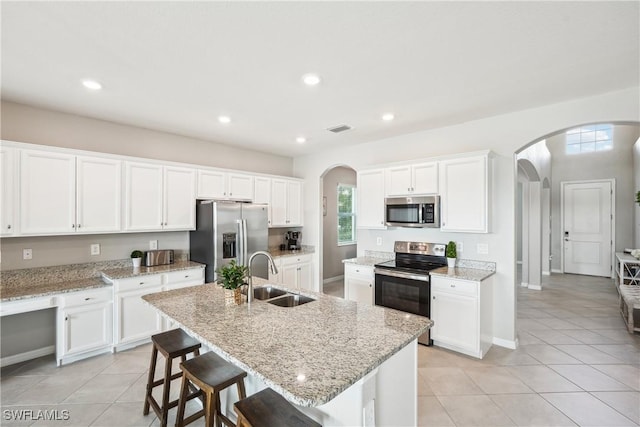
(340, 128)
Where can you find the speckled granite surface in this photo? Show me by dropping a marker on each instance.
(370, 258)
(43, 281)
(473, 274)
(305, 250)
(479, 265)
(129, 271)
(309, 353)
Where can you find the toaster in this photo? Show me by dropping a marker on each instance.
(158, 257)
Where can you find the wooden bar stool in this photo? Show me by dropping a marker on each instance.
(171, 344)
(269, 409)
(211, 374)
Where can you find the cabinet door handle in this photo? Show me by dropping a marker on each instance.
(141, 283)
(88, 298)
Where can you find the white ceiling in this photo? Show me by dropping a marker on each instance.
(176, 66)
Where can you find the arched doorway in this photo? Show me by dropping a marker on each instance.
(337, 226)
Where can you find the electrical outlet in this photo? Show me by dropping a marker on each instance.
(27, 254)
(153, 244)
(483, 248)
(95, 249)
(460, 246)
(379, 241)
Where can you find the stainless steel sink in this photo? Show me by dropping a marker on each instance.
(290, 300)
(265, 292)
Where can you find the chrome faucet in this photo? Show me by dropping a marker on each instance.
(272, 265)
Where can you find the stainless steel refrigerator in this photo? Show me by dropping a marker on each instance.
(228, 230)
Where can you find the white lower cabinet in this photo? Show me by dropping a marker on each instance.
(135, 321)
(85, 324)
(358, 283)
(295, 272)
(462, 314)
(181, 279)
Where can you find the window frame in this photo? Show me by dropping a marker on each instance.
(578, 140)
(351, 215)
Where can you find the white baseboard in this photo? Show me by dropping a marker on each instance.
(333, 279)
(506, 343)
(546, 273)
(535, 287)
(27, 355)
(555, 270)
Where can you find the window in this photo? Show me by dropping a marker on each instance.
(346, 214)
(587, 139)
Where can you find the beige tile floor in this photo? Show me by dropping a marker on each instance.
(576, 365)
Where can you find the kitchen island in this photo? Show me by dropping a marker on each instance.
(340, 362)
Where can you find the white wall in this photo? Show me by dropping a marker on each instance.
(504, 134)
(332, 253)
(613, 164)
(23, 123)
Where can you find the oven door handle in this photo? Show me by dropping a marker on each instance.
(401, 274)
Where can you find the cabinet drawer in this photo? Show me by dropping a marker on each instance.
(460, 287)
(193, 275)
(289, 260)
(87, 297)
(361, 271)
(138, 282)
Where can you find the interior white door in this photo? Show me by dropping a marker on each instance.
(587, 227)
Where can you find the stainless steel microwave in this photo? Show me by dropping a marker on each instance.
(412, 211)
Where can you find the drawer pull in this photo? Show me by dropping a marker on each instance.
(186, 275)
(141, 283)
(453, 286)
(88, 298)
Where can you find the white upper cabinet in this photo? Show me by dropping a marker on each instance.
(213, 184)
(464, 194)
(8, 192)
(62, 193)
(370, 199)
(240, 186)
(143, 197)
(286, 203)
(179, 201)
(411, 180)
(47, 192)
(159, 197)
(99, 194)
(262, 186)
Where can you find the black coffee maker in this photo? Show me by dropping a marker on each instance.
(293, 240)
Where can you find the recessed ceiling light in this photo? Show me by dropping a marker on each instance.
(91, 84)
(224, 119)
(387, 117)
(311, 79)
(301, 140)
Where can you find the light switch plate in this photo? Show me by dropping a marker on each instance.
(95, 249)
(483, 248)
(153, 244)
(379, 241)
(27, 254)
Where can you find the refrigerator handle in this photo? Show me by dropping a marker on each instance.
(240, 243)
(245, 255)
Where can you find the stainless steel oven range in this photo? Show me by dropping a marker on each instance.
(404, 282)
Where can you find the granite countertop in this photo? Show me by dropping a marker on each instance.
(276, 252)
(472, 274)
(309, 353)
(365, 260)
(34, 290)
(45, 281)
(129, 271)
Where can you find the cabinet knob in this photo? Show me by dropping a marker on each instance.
(88, 298)
(434, 297)
(79, 225)
(66, 317)
(231, 194)
(73, 226)
(141, 283)
(9, 227)
(453, 286)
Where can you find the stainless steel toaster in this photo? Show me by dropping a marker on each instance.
(159, 257)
